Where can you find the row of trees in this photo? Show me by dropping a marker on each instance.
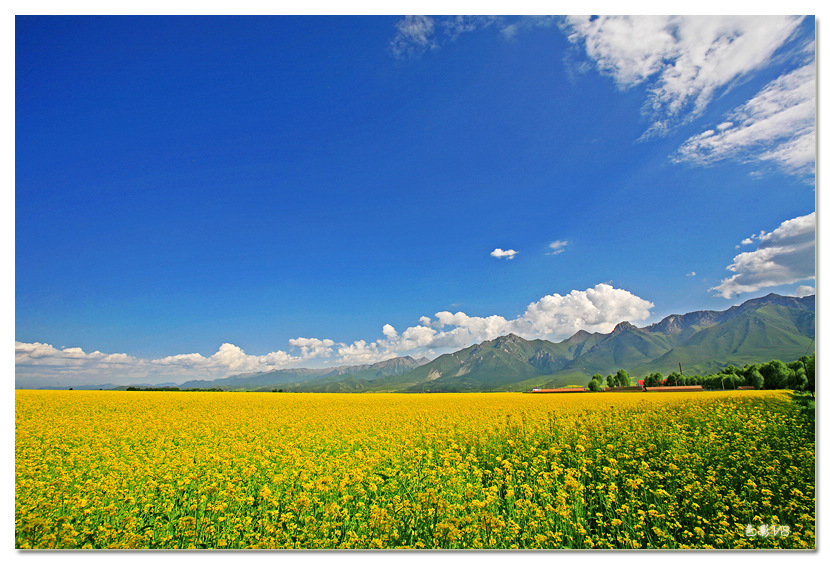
(620, 379)
(132, 388)
(799, 375)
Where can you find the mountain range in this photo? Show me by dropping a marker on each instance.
(696, 343)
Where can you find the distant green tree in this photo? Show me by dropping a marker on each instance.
(797, 380)
(623, 378)
(654, 379)
(714, 381)
(611, 380)
(796, 365)
(755, 379)
(672, 378)
(731, 381)
(594, 385)
(775, 374)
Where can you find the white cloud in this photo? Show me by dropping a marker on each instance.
(456, 25)
(557, 246)
(553, 317)
(784, 256)
(499, 253)
(359, 352)
(312, 347)
(415, 36)
(685, 59)
(805, 290)
(777, 125)
(40, 364)
(71, 358)
(597, 309)
(691, 274)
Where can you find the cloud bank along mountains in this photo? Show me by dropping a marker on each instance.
(771, 327)
(334, 379)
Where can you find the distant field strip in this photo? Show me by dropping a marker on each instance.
(109, 469)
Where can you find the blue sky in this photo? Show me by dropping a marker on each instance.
(202, 196)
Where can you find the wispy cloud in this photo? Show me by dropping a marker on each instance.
(415, 36)
(777, 125)
(456, 25)
(685, 62)
(557, 246)
(686, 59)
(507, 254)
(555, 316)
(786, 255)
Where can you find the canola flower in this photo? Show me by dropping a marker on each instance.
(124, 470)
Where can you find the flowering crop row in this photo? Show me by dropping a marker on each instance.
(109, 469)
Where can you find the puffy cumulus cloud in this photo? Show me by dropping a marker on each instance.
(784, 256)
(805, 290)
(777, 125)
(38, 364)
(553, 317)
(359, 352)
(228, 359)
(507, 254)
(596, 309)
(686, 59)
(312, 347)
(70, 358)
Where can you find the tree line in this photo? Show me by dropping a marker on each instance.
(212, 389)
(799, 375)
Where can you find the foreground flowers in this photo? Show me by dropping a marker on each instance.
(134, 470)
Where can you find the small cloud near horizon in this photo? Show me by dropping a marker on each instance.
(805, 290)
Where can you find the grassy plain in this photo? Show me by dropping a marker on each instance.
(109, 469)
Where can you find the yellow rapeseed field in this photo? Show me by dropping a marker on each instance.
(160, 470)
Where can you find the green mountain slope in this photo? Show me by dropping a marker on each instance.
(765, 333)
(312, 378)
(771, 327)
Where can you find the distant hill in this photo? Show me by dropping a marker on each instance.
(295, 378)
